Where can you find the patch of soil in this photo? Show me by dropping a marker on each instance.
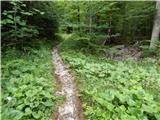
(121, 52)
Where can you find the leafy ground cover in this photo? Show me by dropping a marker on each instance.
(27, 84)
(116, 90)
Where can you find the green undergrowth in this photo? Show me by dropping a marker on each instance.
(116, 90)
(84, 44)
(27, 83)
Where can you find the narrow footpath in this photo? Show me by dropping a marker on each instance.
(71, 109)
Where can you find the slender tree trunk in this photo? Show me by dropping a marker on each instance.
(78, 18)
(90, 24)
(156, 27)
(90, 20)
(108, 33)
(15, 22)
(124, 24)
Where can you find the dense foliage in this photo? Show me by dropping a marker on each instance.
(23, 21)
(47, 24)
(14, 27)
(27, 84)
(89, 32)
(108, 22)
(27, 81)
(122, 90)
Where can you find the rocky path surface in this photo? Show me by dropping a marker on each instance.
(71, 109)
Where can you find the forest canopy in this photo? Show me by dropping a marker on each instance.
(118, 21)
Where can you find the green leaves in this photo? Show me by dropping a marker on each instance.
(17, 115)
(27, 13)
(151, 108)
(10, 16)
(14, 22)
(36, 115)
(7, 21)
(28, 111)
(114, 89)
(26, 95)
(48, 103)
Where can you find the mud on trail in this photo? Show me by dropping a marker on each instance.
(71, 108)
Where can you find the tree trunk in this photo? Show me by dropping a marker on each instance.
(90, 20)
(15, 22)
(156, 28)
(108, 33)
(78, 18)
(124, 23)
(90, 24)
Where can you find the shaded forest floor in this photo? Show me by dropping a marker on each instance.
(114, 83)
(27, 82)
(121, 52)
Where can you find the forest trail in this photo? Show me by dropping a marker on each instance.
(71, 109)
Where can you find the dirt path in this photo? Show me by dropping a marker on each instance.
(71, 108)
